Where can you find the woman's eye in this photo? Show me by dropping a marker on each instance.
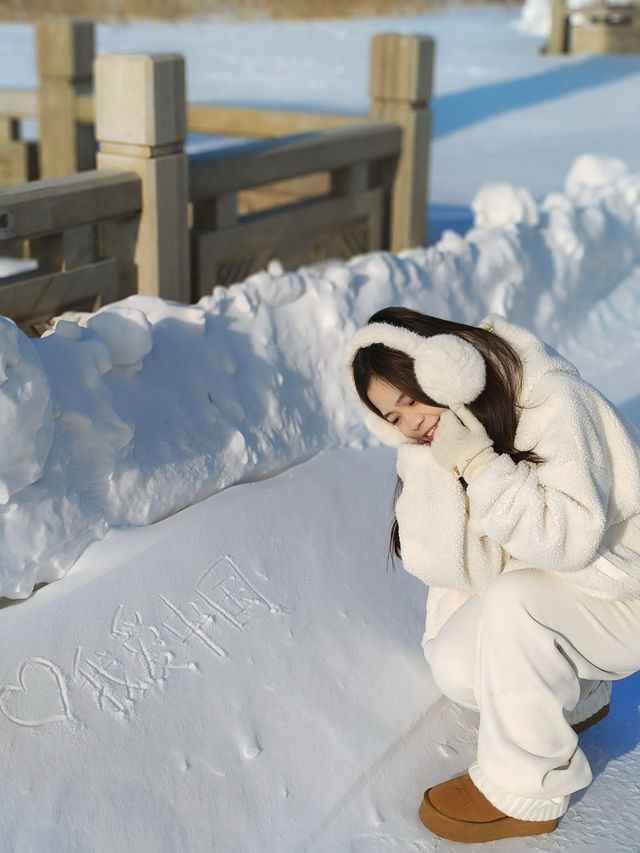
(412, 402)
(395, 421)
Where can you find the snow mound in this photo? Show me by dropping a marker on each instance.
(126, 416)
(26, 414)
(592, 172)
(498, 205)
(535, 19)
(126, 333)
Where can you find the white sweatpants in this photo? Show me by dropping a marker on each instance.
(529, 654)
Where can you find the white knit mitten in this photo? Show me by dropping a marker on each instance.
(461, 443)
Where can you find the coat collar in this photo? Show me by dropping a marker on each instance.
(538, 359)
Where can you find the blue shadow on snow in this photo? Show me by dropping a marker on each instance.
(457, 110)
(616, 735)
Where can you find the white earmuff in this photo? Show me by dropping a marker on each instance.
(450, 370)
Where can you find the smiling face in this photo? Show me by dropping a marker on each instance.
(415, 420)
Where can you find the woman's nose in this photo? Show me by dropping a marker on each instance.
(416, 422)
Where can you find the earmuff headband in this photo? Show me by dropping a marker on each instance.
(449, 369)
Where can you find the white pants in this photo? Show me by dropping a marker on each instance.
(530, 654)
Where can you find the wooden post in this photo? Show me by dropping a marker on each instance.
(65, 50)
(141, 127)
(18, 159)
(400, 85)
(559, 33)
(9, 129)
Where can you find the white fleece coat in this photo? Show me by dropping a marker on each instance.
(576, 514)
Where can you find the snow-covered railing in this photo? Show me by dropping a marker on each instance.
(400, 87)
(63, 224)
(598, 27)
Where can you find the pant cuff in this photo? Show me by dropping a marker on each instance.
(591, 704)
(522, 808)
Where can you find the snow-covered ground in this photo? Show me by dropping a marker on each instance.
(234, 669)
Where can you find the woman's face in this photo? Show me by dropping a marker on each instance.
(415, 420)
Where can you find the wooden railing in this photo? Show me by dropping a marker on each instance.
(260, 123)
(351, 217)
(18, 158)
(61, 223)
(599, 27)
(153, 220)
(400, 88)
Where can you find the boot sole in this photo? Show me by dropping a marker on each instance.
(591, 721)
(468, 832)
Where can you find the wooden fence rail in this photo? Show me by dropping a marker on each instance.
(351, 217)
(19, 103)
(400, 87)
(18, 158)
(267, 162)
(153, 220)
(258, 122)
(61, 222)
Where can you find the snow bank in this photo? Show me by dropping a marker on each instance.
(535, 19)
(128, 415)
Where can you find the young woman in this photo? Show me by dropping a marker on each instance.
(520, 508)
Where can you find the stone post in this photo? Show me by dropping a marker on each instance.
(400, 86)
(558, 41)
(18, 158)
(141, 127)
(65, 50)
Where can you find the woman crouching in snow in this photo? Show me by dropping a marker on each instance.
(520, 508)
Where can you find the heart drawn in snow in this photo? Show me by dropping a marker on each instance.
(40, 697)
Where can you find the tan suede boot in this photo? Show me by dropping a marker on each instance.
(458, 811)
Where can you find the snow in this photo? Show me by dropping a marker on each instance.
(195, 723)
(535, 19)
(224, 661)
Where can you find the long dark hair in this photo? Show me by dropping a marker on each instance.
(497, 406)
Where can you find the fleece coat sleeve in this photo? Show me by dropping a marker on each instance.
(550, 515)
(438, 543)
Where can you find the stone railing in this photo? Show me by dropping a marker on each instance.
(400, 88)
(152, 220)
(352, 216)
(599, 27)
(61, 223)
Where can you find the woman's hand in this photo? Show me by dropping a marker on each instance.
(461, 443)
